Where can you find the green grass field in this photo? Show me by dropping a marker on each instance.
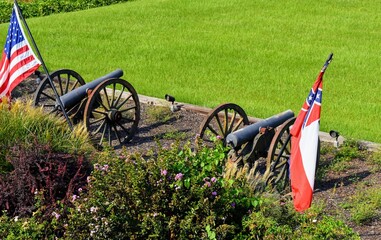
(262, 55)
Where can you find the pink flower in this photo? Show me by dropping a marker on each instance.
(105, 168)
(214, 193)
(207, 184)
(56, 215)
(163, 172)
(74, 197)
(213, 179)
(97, 166)
(179, 176)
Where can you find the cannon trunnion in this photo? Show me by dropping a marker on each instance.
(264, 145)
(108, 106)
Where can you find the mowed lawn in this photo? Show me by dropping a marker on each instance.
(262, 55)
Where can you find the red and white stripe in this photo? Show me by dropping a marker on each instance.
(21, 64)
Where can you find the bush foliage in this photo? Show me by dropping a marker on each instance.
(180, 194)
(38, 8)
(38, 153)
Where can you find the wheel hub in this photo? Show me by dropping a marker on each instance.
(114, 115)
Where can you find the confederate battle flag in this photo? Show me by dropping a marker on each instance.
(304, 145)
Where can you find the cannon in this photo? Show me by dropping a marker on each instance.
(108, 106)
(263, 144)
(267, 140)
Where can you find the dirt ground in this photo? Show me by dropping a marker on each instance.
(334, 189)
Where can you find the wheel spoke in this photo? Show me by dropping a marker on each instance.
(103, 133)
(100, 126)
(124, 102)
(60, 84)
(97, 111)
(109, 134)
(101, 103)
(232, 121)
(71, 110)
(219, 125)
(119, 97)
(240, 121)
(74, 85)
(113, 94)
(226, 120)
(124, 129)
(98, 120)
(117, 135)
(127, 109)
(106, 98)
(67, 84)
(212, 130)
(48, 96)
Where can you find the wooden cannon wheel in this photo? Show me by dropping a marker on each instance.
(222, 120)
(112, 112)
(64, 80)
(278, 156)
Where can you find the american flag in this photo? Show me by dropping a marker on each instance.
(18, 60)
(304, 145)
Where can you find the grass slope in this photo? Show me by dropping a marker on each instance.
(262, 55)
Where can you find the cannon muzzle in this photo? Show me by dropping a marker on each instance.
(248, 133)
(72, 98)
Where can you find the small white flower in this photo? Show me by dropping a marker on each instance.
(93, 209)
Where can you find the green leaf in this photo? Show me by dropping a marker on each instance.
(187, 182)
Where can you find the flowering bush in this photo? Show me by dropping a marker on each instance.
(181, 194)
(177, 194)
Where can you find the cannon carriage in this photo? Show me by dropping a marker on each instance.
(263, 144)
(108, 106)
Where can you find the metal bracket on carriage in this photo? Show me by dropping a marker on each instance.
(89, 91)
(263, 130)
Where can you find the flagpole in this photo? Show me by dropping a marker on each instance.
(327, 62)
(44, 66)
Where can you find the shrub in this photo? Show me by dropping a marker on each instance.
(37, 168)
(38, 153)
(180, 194)
(38, 8)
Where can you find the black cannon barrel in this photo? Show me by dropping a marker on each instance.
(248, 133)
(72, 98)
